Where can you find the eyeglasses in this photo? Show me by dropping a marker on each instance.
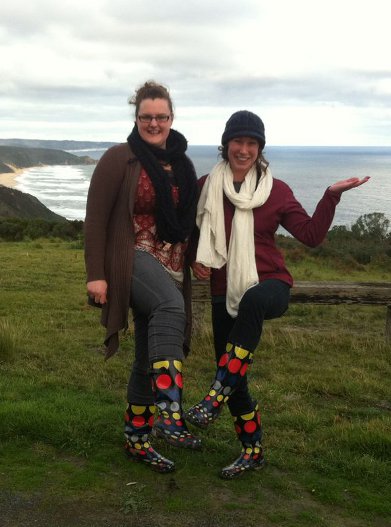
(160, 118)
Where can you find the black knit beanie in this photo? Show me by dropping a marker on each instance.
(244, 124)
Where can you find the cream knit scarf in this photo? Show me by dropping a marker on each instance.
(212, 248)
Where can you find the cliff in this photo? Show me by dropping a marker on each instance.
(20, 157)
(16, 204)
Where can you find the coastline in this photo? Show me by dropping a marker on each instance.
(8, 179)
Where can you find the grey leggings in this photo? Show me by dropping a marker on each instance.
(159, 323)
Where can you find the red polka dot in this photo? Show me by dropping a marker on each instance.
(259, 418)
(223, 360)
(238, 429)
(207, 398)
(215, 404)
(234, 365)
(243, 369)
(163, 381)
(138, 420)
(127, 417)
(246, 456)
(178, 380)
(250, 427)
(167, 422)
(151, 420)
(179, 423)
(142, 452)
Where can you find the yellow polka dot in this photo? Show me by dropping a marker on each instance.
(248, 450)
(176, 415)
(147, 445)
(241, 352)
(247, 417)
(152, 409)
(257, 450)
(219, 398)
(138, 446)
(212, 392)
(138, 410)
(165, 414)
(178, 365)
(161, 364)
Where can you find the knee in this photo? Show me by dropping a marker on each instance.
(169, 314)
(174, 306)
(271, 303)
(253, 299)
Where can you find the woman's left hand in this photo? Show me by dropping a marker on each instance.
(200, 271)
(347, 184)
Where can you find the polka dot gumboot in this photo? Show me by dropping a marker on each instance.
(170, 424)
(231, 367)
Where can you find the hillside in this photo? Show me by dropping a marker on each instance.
(16, 204)
(56, 144)
(20, 157)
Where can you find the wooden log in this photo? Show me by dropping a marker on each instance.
(371, 293)
(332, 293)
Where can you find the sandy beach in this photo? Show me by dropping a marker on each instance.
(9, 179)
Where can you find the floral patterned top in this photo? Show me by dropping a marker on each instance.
(170, 256)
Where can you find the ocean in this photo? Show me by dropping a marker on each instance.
(307, 170)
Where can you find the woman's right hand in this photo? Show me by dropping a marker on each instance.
(200, 271)
(97, 290)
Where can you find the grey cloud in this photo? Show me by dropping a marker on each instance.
(354, 88)
(81, 60)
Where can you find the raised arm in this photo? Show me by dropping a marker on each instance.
(312, 230)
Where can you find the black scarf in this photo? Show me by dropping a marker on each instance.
(173, 223)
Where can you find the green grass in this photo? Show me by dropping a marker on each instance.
(321, 376)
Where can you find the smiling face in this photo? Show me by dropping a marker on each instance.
(156, 131)
(242, 154)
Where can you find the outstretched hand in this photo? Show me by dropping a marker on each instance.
(347, 184)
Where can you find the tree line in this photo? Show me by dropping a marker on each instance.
(366, 241)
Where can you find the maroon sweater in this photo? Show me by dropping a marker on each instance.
(281, 208)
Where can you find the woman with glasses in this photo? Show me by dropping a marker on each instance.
(141, 210)
(240, 209)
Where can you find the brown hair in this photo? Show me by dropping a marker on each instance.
(150, 90)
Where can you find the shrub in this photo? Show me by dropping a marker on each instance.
(375, 226)
(17, 229)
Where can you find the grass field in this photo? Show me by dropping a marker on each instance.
(322, 377)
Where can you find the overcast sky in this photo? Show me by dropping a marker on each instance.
(317, 72)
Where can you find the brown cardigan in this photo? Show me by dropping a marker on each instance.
(109, 240)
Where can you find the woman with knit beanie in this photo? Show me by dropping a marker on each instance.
(239, 211)
(141, 210)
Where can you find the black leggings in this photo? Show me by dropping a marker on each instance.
(267, 300)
